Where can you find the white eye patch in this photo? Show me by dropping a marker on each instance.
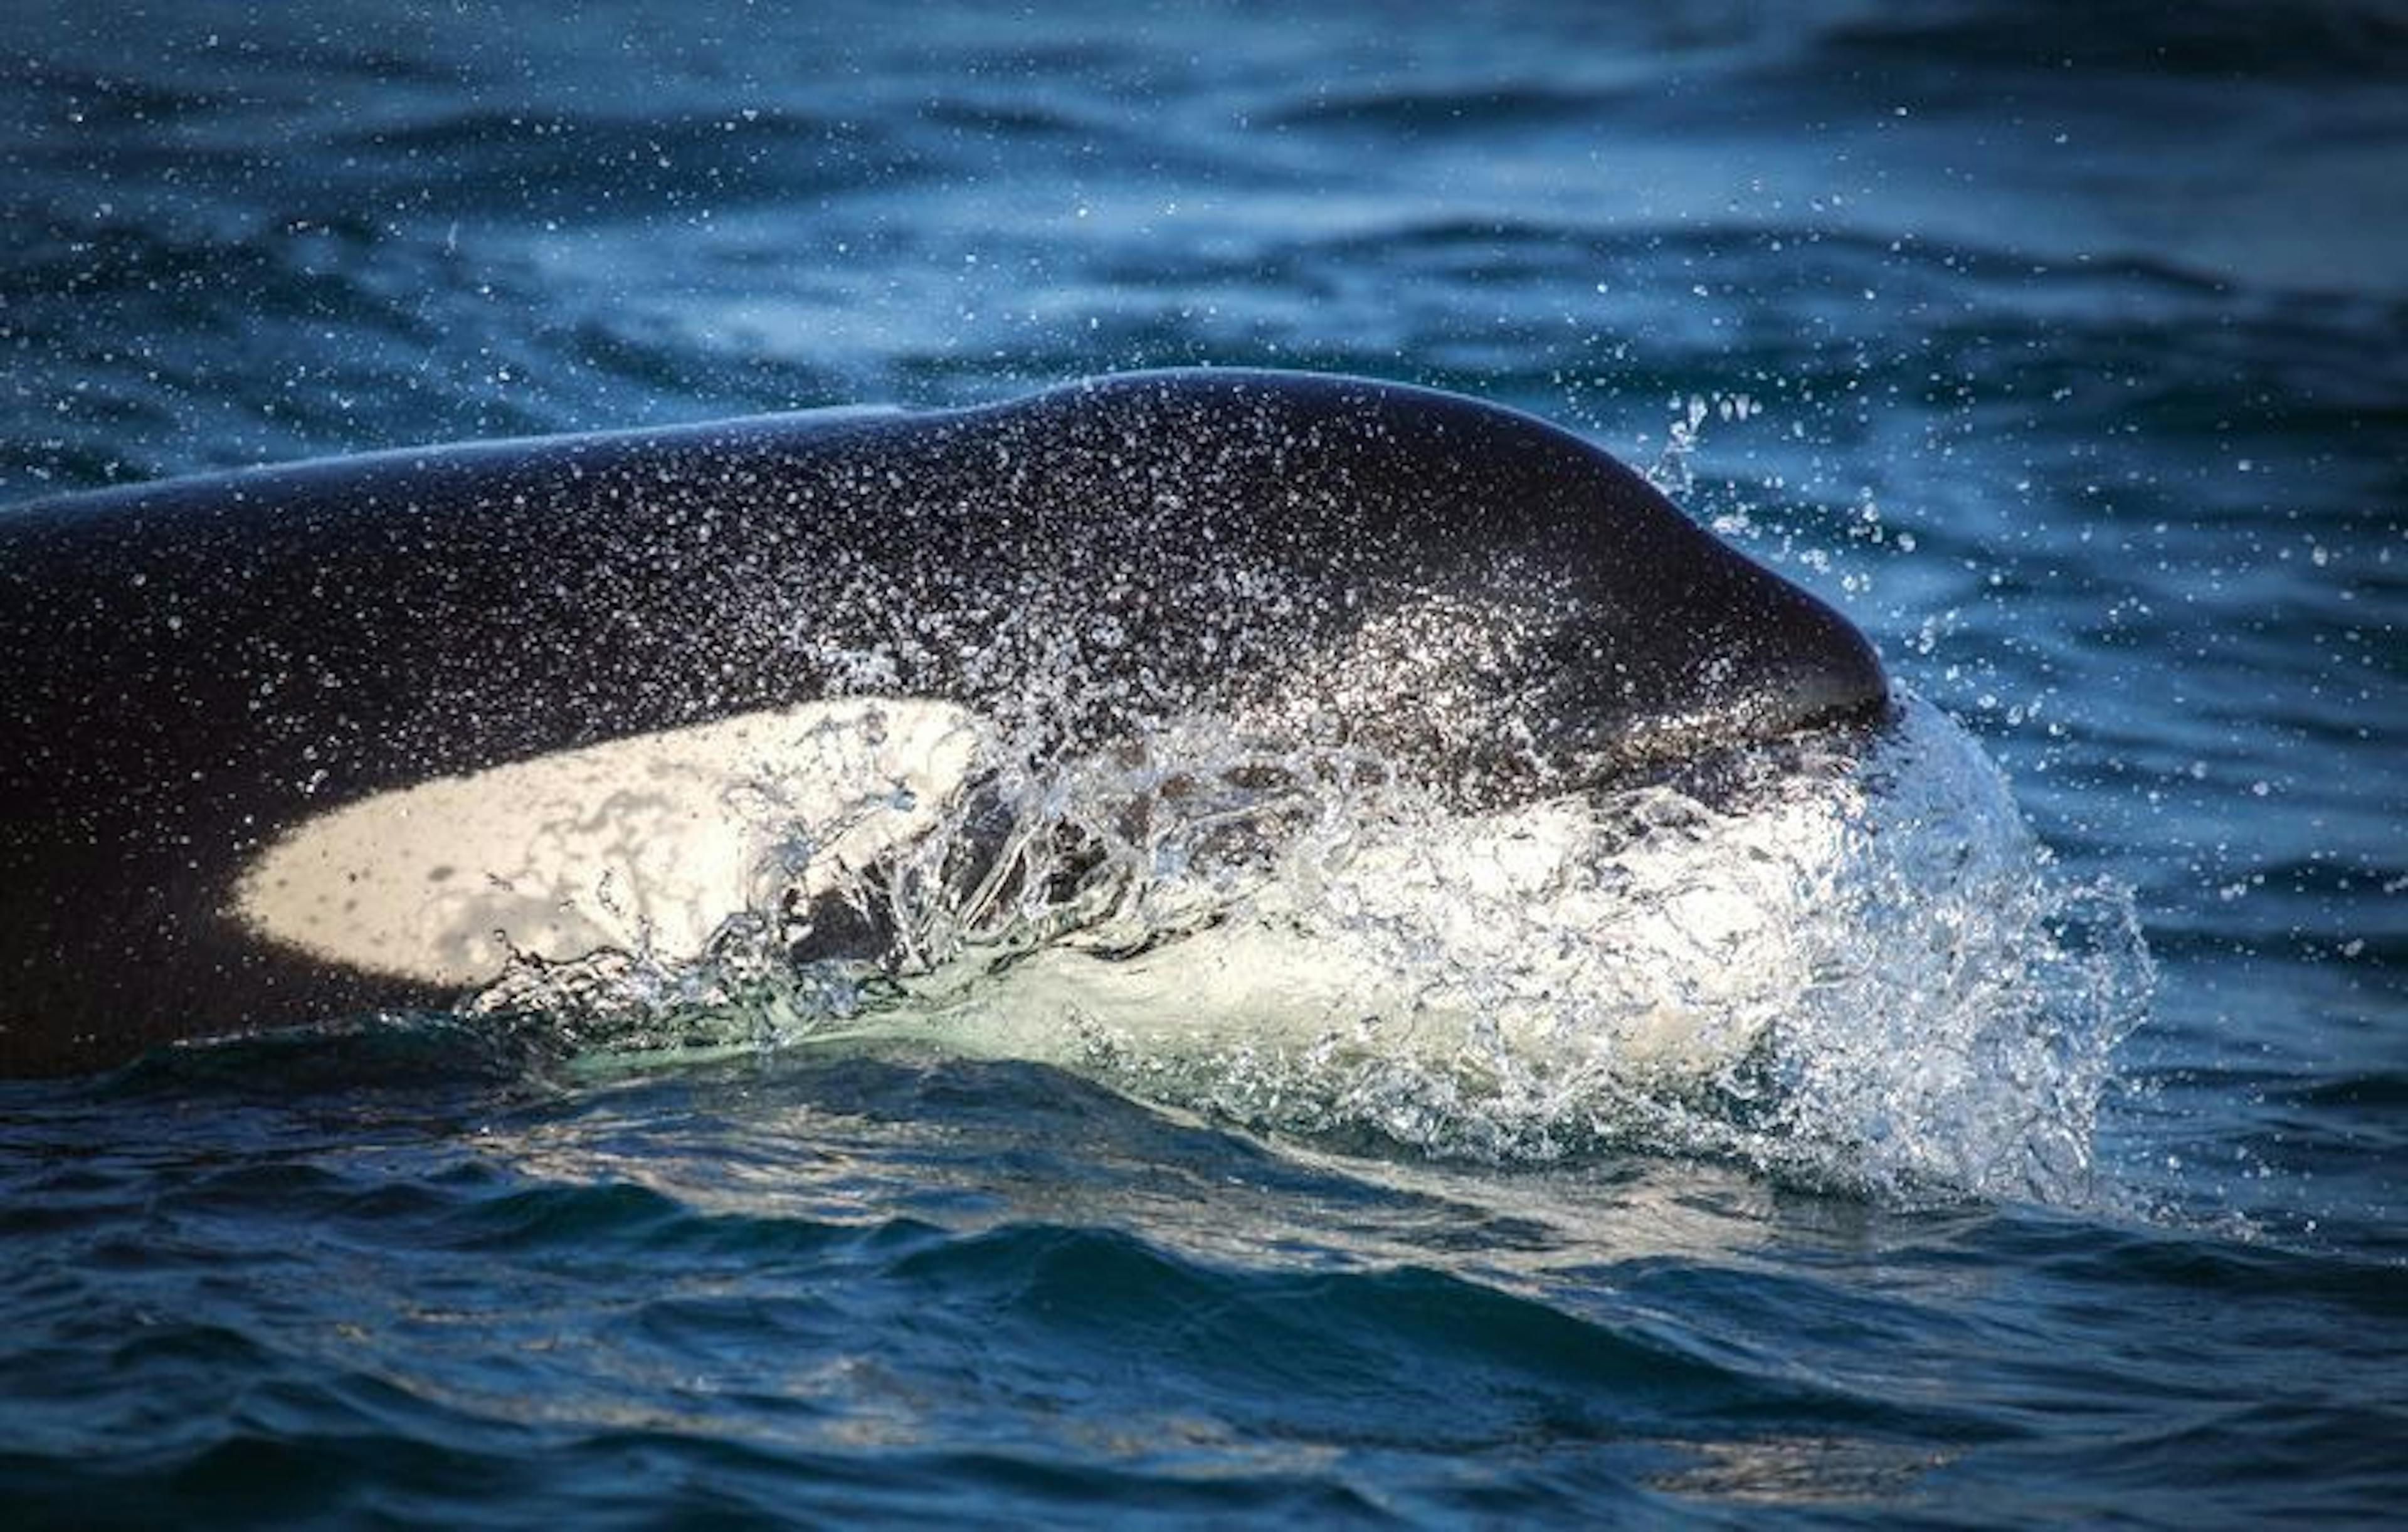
(648, 842)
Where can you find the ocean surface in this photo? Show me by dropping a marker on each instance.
(2060, 345)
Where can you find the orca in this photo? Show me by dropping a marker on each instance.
(290, 744)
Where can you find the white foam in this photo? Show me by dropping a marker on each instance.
(1849, 964)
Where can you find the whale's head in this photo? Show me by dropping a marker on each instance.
(1670, 643)
(358, 734)
(1491, 598)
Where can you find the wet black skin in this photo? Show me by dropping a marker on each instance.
(197, 665)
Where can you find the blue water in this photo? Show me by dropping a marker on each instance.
(2060, 345)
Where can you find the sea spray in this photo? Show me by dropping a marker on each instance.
(1847, 964)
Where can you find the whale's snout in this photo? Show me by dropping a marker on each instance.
(1696, 645)
(1813, 666)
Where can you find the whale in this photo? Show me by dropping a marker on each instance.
(349, 737)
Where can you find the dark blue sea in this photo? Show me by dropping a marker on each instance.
(2059, 345)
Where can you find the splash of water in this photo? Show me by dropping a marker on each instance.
(1851, 967)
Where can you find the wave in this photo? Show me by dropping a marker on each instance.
(1851, 970)
(2332, 40)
